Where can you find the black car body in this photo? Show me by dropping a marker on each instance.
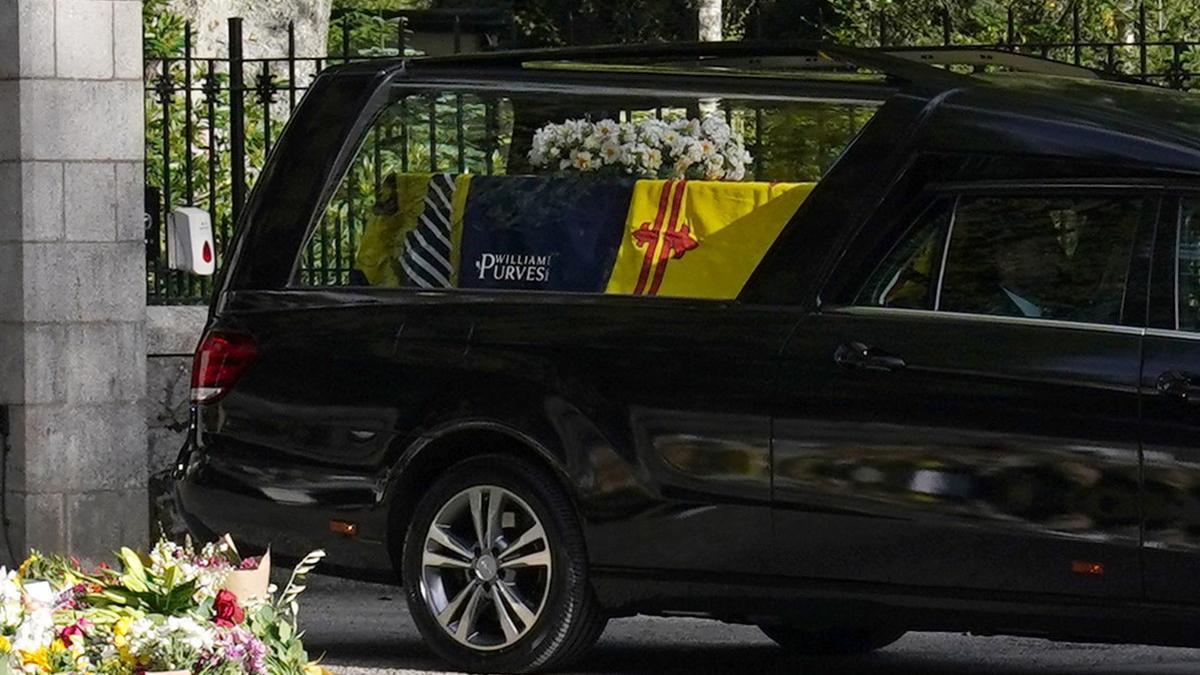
(799, 452)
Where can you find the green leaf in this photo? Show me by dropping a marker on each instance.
(168, 578)
(181, 598)
(135, 574)
(268, 615)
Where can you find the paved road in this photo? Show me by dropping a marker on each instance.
(364, 629)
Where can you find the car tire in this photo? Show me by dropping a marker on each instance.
(830, 641)
(526, 583)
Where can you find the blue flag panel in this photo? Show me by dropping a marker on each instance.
(544, 233)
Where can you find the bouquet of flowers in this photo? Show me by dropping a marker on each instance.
(706, 149)
(167, 612)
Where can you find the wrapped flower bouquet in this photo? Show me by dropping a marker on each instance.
(167, 612)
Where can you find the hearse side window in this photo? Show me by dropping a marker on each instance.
(1063, 258)
(1189, 266)
(907, 278)
(573, 193)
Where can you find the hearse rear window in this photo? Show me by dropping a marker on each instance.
(571, 193)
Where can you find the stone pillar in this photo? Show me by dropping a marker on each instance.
(72, 274)
(171, 336)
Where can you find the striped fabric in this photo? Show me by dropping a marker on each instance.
(426, 256)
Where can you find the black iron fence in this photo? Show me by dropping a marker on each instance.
(211, 122)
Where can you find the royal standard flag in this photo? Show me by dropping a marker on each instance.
(700, 239)
(541, 233)
(413, 228)
(399, 203)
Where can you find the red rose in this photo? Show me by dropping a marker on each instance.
(226, 610)
(68, 634)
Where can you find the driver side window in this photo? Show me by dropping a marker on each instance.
(1063, 258)
(1055, 257)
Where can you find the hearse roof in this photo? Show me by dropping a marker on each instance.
(1009, 102)
(914, 66)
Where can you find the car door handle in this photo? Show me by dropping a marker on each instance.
(1180, 386)
(859, 356)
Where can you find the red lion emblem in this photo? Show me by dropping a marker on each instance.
(669, 228)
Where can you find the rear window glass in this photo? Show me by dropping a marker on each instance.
(573, 193)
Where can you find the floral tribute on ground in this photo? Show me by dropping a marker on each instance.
(707, 149)
(169, 611)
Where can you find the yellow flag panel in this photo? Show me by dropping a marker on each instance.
(401, 198)
(700, 239)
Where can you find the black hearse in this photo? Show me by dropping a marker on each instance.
(834, 342)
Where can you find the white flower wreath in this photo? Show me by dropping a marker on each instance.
(708, 149)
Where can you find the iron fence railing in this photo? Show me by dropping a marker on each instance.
(211, 122)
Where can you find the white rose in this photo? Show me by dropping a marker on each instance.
(582, 160)
(651, 159)
(651, 131)
(610, 152)
(716, 129)
(607, 128)
(628, 154)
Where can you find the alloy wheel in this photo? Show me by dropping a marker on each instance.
(486, 567)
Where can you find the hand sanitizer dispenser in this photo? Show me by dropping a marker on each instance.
(190, 241)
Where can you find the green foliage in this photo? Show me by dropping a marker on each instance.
(55, 568)
(1035, 24)
(562, 22)
(1034, 21)
(379, 5)
(801, 142)
(141, 589)
(162, 30)
(285, 649)
(361, 33)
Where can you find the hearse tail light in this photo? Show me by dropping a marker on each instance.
(221, 360)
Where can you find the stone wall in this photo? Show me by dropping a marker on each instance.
(264, 26)
(72, 273)
(172, 333)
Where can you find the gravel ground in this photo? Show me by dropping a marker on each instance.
(364, 629)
